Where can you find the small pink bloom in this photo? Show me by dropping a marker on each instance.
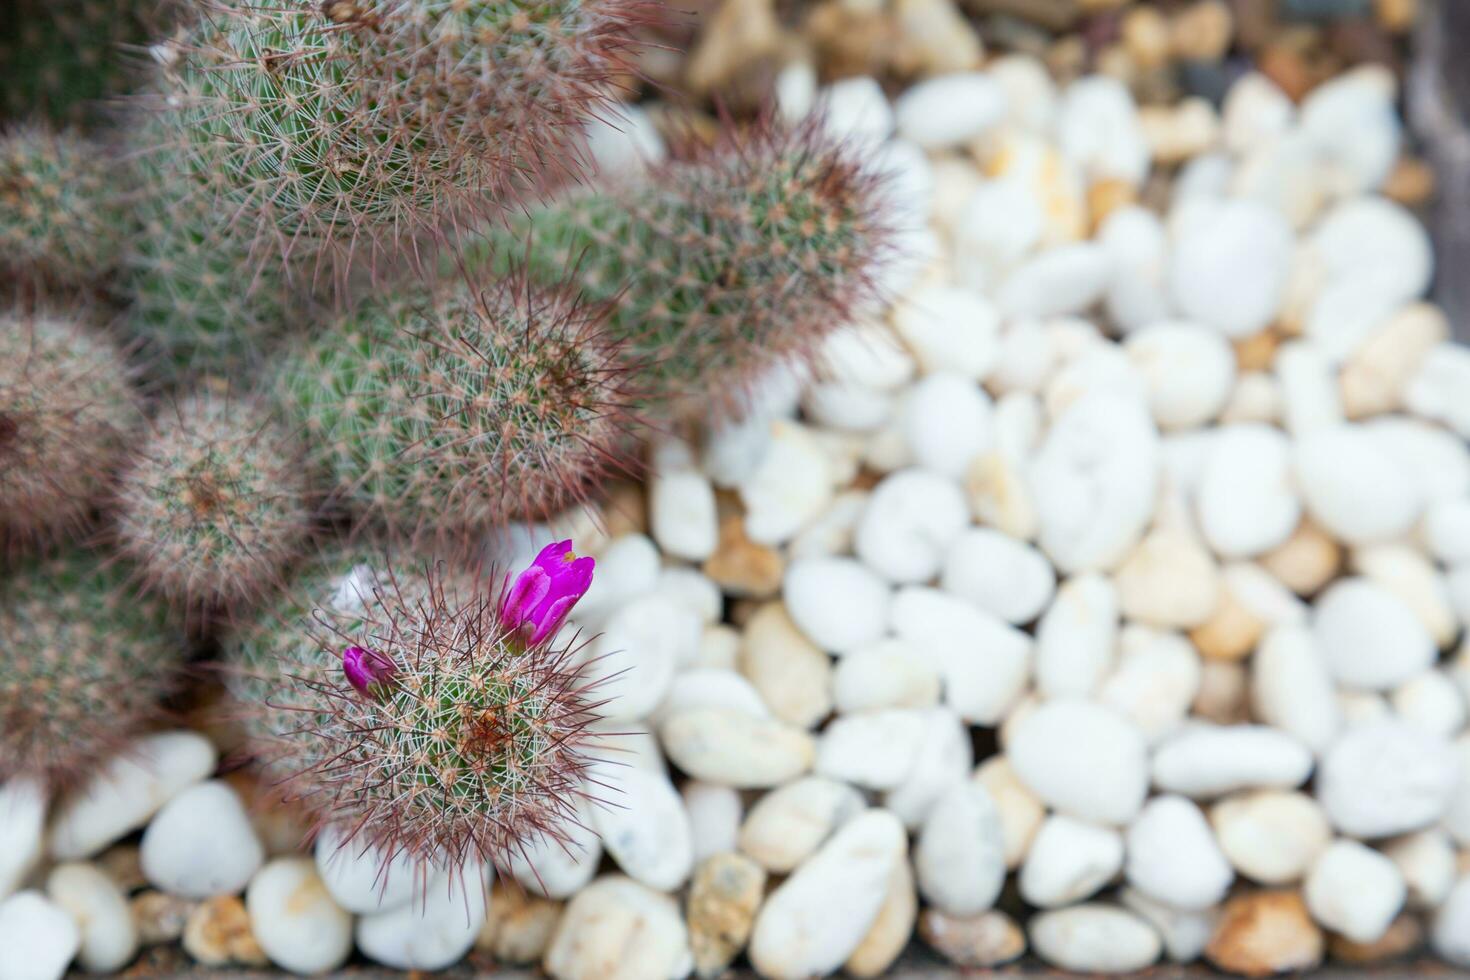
(367, 670)
(541, 597)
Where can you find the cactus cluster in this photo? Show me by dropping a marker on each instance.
(460, 741)
(460, 409)
(67, 413)
(62, 59)
(86, 663)
(214, 503)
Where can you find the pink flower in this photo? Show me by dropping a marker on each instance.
(367, 670)
(538, 601)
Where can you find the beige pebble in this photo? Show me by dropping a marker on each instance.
(1231, 632)
(1263, 933)
(1202, 31)
(793, 676)
(519, 926)
(1306, 561)
(160, 917)
(1223, 695)
(987, 940)
(218, 933)
(1373, 380)
(741, 567)
(1405, 934)
(1146, 36)
(891, 930)
(122, 864)
(724, 895)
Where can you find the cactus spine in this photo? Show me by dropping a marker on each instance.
(86, 663)
(214, 503)
(67, 413)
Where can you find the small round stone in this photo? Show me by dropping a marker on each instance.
(840, 604)
(201, 843)
(294, 918)
(1081, 759)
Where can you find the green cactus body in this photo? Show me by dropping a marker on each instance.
(461, 410)
(214, 503)
(61, 215)
(477, 745)
(67, 414)
(351, 122)
(84, 663)
(717, 268)
(61, 58)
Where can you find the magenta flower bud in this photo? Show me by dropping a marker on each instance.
(367, 670)
(541, 597)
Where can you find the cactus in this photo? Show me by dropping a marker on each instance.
(86, 663)
(61, 215)
(719, 267)
(458, 410)
(63, 58)
(67, 413)
(399, 706)
(213, 504)
(347, 123)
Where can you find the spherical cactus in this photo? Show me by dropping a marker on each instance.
(63, 58)
(61, 214)
(67, 413)
(351, 122)
(214, 503)
(413, 711)
(460, 410)
(719, 267)
(84, 664)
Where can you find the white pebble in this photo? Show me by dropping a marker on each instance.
(1095, 938)
(1205, 760)
(1185, 934)
(1451, 932)
(949, 329)
(1077, 637)
(617, 929)
(792, 483)
(22, 817)
(1427, 861)
(1069, 860)
(1247, 503)
(1081, 759)
(945, 758)
(947, 423)
(960, 854)
(1292, 689)
(1437, 390)
(1001, 575)
(1352, 487)
(681, 510)
(294, 919)
(1156, 680)
(874, 750)
(633, 662)
(950, 109)
(856, 108)
(1255, 112)
(201, 843)
(357, 876)
(983, 662)
(646, 831)
(840, 604)
(626, 568)
(1354, 890)
(433, 931)
(1310, 400)
(1057, 281)
(559, 865)
(1352, 121)
(714, 817)
(732, 747)
(109, 937)
(128, 790)
(909, 522)
(1370, 638)
(1173, 857)
(1189, 369)
(38, 938)
(1137, 246)
(1386, 777)
(1432, 701)
(886, 674)
(1098, 127)
(1169, 581)
(1229, 266)
(1271, 836)
(788, 824)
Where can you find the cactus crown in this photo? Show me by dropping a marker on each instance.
(477, 746)
(214, 503)
(718, 267)
(60, 216)
(86, 663)
(461, 409)
(67, 413)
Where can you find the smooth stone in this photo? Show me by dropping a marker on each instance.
(160, 918)
(875, 750)
(984, 941)
(886, 674)
(201, 843)
(39, 938)
(1076, 638)
(909, 522)
(1266, 932)
(1354, 891)
(358, 877)
(1386, 777)
(1352, 487)
(1451, 931)
(1310, 399)
(1426, 859)
(626, 568)
(947, 423)
(1254, 112)
(714, 813)
(22, 818)
(984, 662)
(711, 687)
(1156, 680)
(1185, 934)
(950, 109)
(1228, 268)
(1292, 687)
(1095, 938)
(109, 937)
(949, 329)
(1068, 861)
(433, 931)
(1246, 500)
(1081, 759)
(647, 831)
(295, 920)
(891, 930)
(217, 933)
(617, 929)
(787, 825)
(1173, 856)
(731, 747)
(818, 916)
(518, 926)
(129, 789)
(1189, 370)
(840, 604)
(1432, 701)
(1169, 581)
(642, 645)
(960, 854)
(1371, 640)
(1437, 389)
(1094, 482)
(1056, 281)
(792, 674)
(1206, 761)
(1271, 836)
(792, 483)
(724, 895)
(1097, 126)
(558, 865)
(946, 758)
(1021, 813)
(1408, 574)
(1003, 576)
(681, 508)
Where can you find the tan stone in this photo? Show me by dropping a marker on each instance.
(724, 896)
(792, 674)
(1410, 183)
(1396, 15)
(934, 38)
(741, 567)
(122, 864)
(743, 41)
(1405, 934)
(1265, 932)
(1202, 31)
(1146, 36)
(890, 931)
(625, 510)
(1306, 561)
(999, 495)
(160, 917)
(1021, 813)
(218, 933)
(1231, 632)
(1223, 695)
(1169, 580)
(1375, 375)
(1180, 132)
(1106, 196)
(519, 926)
(985, 940)
(1256, 352)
